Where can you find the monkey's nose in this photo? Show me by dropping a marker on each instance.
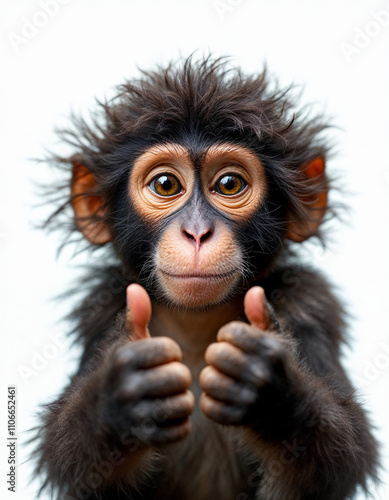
(197, 237)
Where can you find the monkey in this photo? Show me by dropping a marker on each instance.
(211, 363)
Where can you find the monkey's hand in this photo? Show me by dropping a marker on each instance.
(146, 386)
(246, 380)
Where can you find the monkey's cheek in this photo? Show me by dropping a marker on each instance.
(196, 292)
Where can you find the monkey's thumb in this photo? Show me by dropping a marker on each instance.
(138, 312)
(256, 308)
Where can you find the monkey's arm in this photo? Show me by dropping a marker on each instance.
(77, 450)
(132, 398)
(291, 397)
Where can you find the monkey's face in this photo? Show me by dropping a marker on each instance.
(192, 203)
(196, 224)
(176, 182)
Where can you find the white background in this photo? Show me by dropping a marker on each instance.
(85, 48)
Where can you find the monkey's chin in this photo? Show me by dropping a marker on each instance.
(197, 291)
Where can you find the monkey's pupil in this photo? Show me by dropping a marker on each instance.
(229, 183)
(165, 183)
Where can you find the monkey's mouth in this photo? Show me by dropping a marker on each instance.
(201, 276)
(197, 289)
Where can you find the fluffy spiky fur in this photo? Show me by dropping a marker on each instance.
(198, 104)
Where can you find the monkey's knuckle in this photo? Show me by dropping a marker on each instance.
(227, 352)
(207, 377)
(181, 405)
(215, 387)
(173, 382)
(129, 388)
(122, 357)
(142, 410)
(228, 414)
(212, 408)
(275, 351)
(232, 329)
(224, 331)
(246, 395)
(232, 388)
(179, 374)
(232, 357)
(161, 410)
(169, 346)
(189, 401)
(256, 373)
(212, 352)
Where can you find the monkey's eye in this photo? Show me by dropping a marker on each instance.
(230, 184)
(166, 185)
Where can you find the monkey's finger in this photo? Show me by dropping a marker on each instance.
(259, 311)
(171, 433)
(259, 346)
(223, 388)
(220, 412)
(255, 308)
(165, 411)
(164, 380)
(232, 361)
(138, 312)
(146, 354)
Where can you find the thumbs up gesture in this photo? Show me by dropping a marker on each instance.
(147, 396)
(138, 312)
(245, 381)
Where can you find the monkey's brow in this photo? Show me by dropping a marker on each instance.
(195, 153)
(173, 148)
(197, 158)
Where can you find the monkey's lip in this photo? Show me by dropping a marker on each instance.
(201, 276)
(197, 289)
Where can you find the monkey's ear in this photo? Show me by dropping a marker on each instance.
(315, 204)
(88, 206)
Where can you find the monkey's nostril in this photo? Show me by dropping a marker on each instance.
(189, 236)
(197, 238)
(205, 236)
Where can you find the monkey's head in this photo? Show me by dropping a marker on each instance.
(197, 177)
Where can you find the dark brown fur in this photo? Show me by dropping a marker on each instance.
(327, 451)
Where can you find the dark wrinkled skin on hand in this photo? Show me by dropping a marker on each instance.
(246, 380)
(145, 391)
